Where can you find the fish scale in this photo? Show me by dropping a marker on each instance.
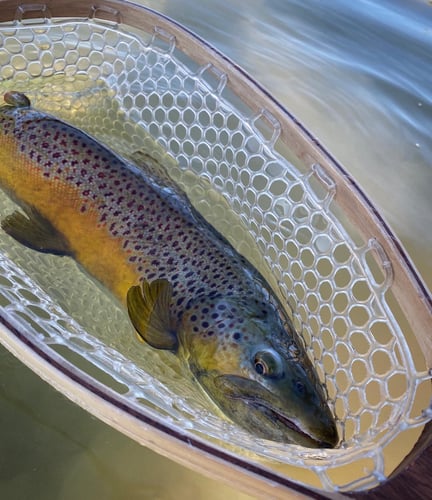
(157, 239)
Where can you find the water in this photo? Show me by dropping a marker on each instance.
(357, 75)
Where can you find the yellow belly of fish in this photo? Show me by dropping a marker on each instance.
(94, 248)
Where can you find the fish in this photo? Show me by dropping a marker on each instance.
(186, 289)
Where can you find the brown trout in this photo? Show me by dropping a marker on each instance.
(186, 289)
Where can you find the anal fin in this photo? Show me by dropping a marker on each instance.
(148, 307)
(35, 231)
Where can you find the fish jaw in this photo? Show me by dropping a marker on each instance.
(276, 415)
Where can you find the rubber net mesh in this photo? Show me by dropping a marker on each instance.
(141, 95)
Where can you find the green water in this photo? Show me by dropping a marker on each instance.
(52, 449)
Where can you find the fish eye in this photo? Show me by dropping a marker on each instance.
(260, 367)
(268, 364)
(300, 387)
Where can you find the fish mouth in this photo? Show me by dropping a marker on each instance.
(276, 415)
(258, 411)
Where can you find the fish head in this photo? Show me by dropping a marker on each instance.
(253, 368)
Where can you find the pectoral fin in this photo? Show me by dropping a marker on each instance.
(148, 308)
(36, 232)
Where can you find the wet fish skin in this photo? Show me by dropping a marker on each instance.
(185, 287)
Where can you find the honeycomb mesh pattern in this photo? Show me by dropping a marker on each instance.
(114, 84)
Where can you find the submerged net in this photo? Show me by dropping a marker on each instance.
(140, 94)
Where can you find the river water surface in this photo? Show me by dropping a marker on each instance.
(359, 77)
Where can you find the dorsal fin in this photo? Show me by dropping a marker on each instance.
(149, 310)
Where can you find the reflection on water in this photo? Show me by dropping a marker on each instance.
(358, 75)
